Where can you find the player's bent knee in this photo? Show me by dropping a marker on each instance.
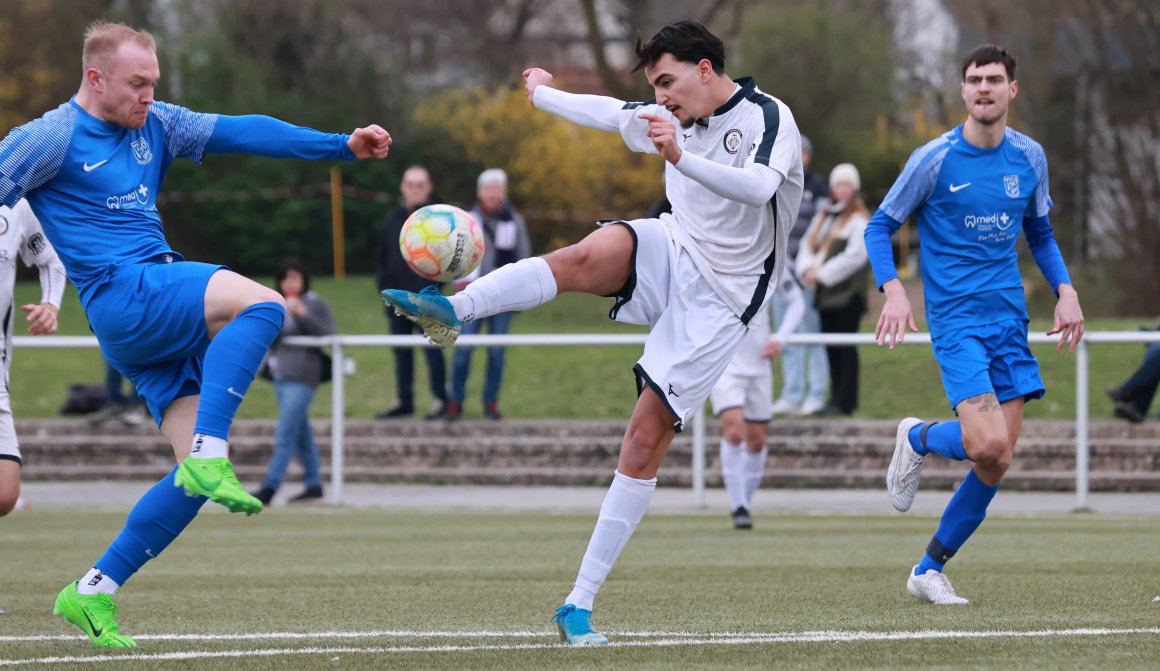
(990, 450)
(735, 436)
(571, 267)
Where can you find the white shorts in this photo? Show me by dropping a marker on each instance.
(753, 394)
(9, 449)
(694, 333)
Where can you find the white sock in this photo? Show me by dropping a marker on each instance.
(516, 286)
(209, 447)
(623, 508)
(732, 474)
(96, 582)
(753, 466)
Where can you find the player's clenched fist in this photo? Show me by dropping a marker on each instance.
(536, 77)
(370, 142)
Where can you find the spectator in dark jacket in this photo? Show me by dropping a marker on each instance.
(297, 371)
(506, 241)
(392, 272)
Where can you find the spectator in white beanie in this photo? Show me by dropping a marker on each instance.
(833, 261)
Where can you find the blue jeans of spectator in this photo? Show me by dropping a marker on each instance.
(293, 437)
(405, 364)
(796, 358)
(1140, 389)
(461, 364)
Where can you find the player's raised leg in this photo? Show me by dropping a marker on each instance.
(242, 319)
(599, 264)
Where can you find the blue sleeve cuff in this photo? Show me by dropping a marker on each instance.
(878, 247)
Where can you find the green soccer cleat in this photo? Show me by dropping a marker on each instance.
(95, 614)
(215, 479)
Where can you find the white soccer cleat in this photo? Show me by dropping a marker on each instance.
(905, 468)
(933, 587)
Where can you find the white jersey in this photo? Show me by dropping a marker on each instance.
(738, 246)
(749, 361)
(21, 235)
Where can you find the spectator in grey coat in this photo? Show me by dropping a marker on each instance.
(297, 371)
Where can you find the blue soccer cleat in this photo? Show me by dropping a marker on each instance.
(575, 627)
(430, 310)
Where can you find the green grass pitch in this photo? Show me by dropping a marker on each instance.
(367, 589)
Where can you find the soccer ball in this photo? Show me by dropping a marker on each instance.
(441, 243)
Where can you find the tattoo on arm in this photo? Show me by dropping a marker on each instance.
(985, 402)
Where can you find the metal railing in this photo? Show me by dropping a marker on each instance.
(339, 343)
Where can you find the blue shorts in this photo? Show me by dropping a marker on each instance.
(988, 359)
(150, 321)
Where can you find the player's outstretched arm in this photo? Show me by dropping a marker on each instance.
(1068, 321)
(590, 111)
(896, 315)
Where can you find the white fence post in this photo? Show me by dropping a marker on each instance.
(1081, 425)
(337, 419)
(699, 457)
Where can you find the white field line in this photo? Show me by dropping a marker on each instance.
(665, 639)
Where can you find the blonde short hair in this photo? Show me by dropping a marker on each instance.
(102, 39)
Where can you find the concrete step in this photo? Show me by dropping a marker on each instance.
(822, 453)
(1047, 429)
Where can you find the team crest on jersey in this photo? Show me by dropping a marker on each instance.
(732, 141)
(3, 224)
(1011, 185)
(36, 243)
(141, 151)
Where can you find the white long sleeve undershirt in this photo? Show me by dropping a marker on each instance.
(590, 111)
(753, 185)
(793, 313)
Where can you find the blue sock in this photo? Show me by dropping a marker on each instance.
(231, 361)
(161, 514)
(943, 438)
(964, 514)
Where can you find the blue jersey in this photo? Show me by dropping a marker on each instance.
(94, 184)
(970, 204)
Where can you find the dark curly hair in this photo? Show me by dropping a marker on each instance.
(985, 54)
(687, 41)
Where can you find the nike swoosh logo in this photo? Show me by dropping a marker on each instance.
(97, 631)
(231, 390)
(90, 168)
(959, 187)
